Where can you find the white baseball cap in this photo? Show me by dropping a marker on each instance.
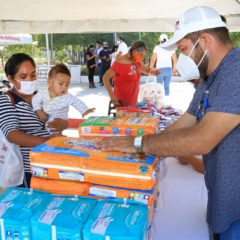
(163, 37)
(193, 20)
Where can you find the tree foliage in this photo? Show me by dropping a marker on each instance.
(70, 47)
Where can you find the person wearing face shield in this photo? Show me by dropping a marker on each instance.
(211, 125)
(18, 121)
(126, 74)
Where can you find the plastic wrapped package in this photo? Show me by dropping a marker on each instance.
(93, 190)
(60, 187)
(62, 218)
(106, 126)
(117, 220)
(17, 206)
(78, 159)
(133, 112)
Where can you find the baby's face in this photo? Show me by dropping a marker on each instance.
(58, 84)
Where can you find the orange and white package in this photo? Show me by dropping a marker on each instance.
(146, 197)
(78, 159)
(106, 126)
(60, 187)
(136, 126)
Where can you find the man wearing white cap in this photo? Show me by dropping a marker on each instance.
(211, 125)
(166, 63)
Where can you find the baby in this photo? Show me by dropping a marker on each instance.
(55, 101)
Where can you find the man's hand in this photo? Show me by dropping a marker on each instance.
(120, 144)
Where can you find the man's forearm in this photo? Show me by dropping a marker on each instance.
(175, 143)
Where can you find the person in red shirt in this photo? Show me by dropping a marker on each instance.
(126, 74)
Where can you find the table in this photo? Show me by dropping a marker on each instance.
(182, 204)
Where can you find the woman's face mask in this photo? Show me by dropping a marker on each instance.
(27, 87)
(138, 57)
(186, 66)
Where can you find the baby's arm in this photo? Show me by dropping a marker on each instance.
(81, 106)
(90, 110)
(37, 102)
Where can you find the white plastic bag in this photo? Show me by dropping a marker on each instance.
(151, 92)
(11, 163)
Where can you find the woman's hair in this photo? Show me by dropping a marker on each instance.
(114, 48)
(138, 46)
(59, 68)
(13, 63)
(90, 46)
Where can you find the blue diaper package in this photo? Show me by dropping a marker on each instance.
(63, 218)
(17, 205)
(116, 220)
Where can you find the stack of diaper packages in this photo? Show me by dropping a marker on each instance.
(74, 166)
(27, 214)
(17, 206)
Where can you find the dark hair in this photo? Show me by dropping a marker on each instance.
(59, 68)
(115, 46)
(121, 38)
(90, 46)
(220, 33)
(138, 46)
(13, 63)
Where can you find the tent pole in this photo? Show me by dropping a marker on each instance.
(47, 46)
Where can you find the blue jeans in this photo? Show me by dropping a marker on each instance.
(100, 72)
(165, 78)
(232, 233)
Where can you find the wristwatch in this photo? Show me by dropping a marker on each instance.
(138, 144)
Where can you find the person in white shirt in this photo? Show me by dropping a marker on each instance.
(99, 48)
(122, 47)
(166, 62)
(54, 102)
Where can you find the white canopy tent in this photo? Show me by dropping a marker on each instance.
(62, 16)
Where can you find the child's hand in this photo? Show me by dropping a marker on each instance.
(42, 115)
(90, 110)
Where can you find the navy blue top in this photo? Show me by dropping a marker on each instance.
(221, 93)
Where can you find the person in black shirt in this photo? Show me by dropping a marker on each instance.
(105, 56)
(91, 65)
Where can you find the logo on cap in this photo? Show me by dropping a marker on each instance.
(177, 25)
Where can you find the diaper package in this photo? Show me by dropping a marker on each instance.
(77, 159)
(107, 126)
(62, 218)
(17, 205)
(117, 221)
(60, 187)
(146, 197)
